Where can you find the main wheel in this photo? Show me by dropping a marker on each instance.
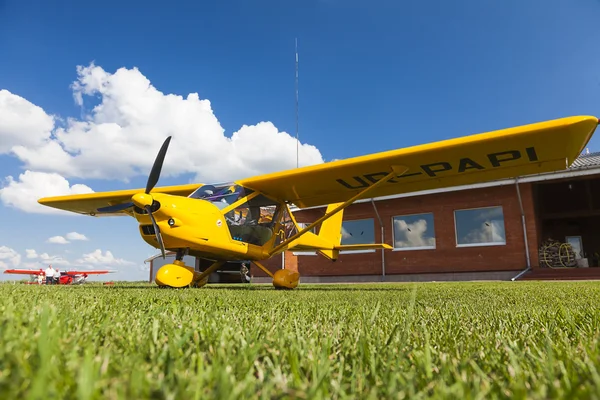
(175, 275)
(285, 279)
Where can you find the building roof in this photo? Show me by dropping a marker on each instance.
(586, 161)
(167, 254)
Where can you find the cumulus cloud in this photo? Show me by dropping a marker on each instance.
(94, 259)
(97, 257)
(119, 137)
(487, 232)
(75, 236)
(53, 259)
(24, 192)
(33, 265)
(71, 236)
(22, 123)
(31, 253)
(485, 225)
(413, 234)
(40, 260)
(9, 258)
(57, 240)
(345, 233)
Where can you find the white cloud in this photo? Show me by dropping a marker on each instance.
(39, 260)
(488, 232)
(57, 240)
(75, 236)
(31, 186)
(412, 235)
(54, 260)
(66, 239)
(9, 257)
(345, 233)
(33, 265)
(31, 253)
(22, 123)
(44, 260)
(119, 137)
(105, 259)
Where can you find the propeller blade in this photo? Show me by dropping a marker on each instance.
(157, 231)
(158, 163)
(115, 208)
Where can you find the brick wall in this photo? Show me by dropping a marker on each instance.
(446, 257)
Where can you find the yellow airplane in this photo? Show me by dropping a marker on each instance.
(250, 219)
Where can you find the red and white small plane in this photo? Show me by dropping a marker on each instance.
(66, 277)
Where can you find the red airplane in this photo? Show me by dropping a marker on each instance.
(66, 277)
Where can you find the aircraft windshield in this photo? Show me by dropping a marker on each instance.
(252, 221)
(220, 195)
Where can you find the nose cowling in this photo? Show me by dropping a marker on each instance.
(142, 200)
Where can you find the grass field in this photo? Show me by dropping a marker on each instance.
(456, 340)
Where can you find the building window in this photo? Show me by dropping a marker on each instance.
(479, 227)
(303, 225)
(358, 231)
(414, 232)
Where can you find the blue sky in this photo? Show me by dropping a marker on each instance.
(373, 76)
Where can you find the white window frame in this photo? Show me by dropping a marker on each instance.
(304, 253)
(417, 247)
(479, 244)
(578, 256)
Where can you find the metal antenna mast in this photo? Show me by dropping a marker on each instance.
(297, 141)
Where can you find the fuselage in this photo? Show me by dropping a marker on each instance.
(198, 225)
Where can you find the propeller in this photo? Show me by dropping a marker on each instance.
(145, 200)
(156, 231)
(152, 181)
(115, 208)
(157, 167)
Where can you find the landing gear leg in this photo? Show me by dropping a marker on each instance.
(201, 278)
(181, 253)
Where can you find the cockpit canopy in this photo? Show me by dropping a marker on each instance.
(251, 221)
(222, 195)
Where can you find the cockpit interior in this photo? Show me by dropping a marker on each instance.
(252, 221)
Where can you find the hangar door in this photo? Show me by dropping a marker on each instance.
(568, 212)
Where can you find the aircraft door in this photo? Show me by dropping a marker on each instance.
(253, 221)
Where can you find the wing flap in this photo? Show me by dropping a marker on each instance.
(524, 150)
(89, 203)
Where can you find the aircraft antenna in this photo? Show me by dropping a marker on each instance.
(297, 141)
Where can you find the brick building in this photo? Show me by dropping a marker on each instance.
(491, 230)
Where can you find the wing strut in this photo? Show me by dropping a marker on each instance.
(397, 171)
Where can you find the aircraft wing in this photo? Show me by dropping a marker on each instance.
(24, 271)
(89, 203)
(518, 151)
(92, 272)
